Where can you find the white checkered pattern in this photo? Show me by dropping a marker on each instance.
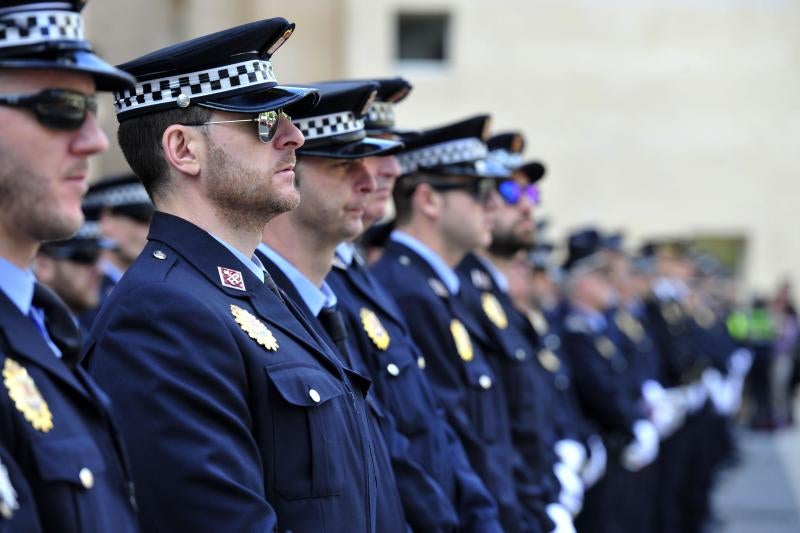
(37, 27)
(131, 194)
(446, 153)
(198, 84)
(381, 114)
(329, 125)
(510, 160)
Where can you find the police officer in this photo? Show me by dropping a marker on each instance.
(380, 339)
(298, 247)
(440, 217)
(61, 465)
(238, 416)
(70, 267)
(122, 209)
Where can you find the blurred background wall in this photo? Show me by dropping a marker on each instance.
(661, 118)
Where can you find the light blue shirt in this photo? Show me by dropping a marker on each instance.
(253, 263)
(445, 273)
(110, 269)
(315, 298)
(346, 251)
(499, 278)
(18, 284)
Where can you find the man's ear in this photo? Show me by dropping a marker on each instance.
(427, 201)
(183, 147)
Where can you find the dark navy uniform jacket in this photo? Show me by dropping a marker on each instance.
(389, 513)
(513, 356)
(462, 379)
(380, 338)
(72, 477)
(237, 417)
(600, 372)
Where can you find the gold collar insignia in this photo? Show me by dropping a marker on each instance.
(375, 330)
(494, 310)
(255, 328)
(461, 338)
(26, 396)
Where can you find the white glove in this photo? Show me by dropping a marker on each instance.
(644, 449)
(572, 453)
(571, 493)
(695, 396)
(667, 408)
(740, 362)
(725, 392)
(595, 467)
(560, 517)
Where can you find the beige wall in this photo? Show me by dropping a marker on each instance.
(662, 117)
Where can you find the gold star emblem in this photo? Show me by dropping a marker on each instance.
(26, 396)
(375, 330)
(461, 338)
(255, 328)
(494, 310)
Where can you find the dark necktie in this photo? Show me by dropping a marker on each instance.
(271, 285)
(331, 319)
(60, 326)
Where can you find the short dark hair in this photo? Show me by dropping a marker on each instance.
(402, 197)
(140, 140)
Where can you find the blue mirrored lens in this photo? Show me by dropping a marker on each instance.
(510, 191)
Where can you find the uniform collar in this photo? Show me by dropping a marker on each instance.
(596, 321)
(346, 251)
(445, 273)
(17, 284)
(253, 263)
(111, 270)
(315, 298)
(500, 279)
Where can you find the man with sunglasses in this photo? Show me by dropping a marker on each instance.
(546, 432)
(441, 203)
(61, 466)
(237, 415)
(122, 209)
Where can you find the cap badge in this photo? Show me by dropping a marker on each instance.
(549, 361)
(26, 396)
(8, 496)
(231, 278)
(605, 347)
(494, 310)
(255, 328)
(183, 100)
(375, 330)
(461, 338)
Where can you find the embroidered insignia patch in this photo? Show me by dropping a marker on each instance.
(255, 328)
(549, 361)
(605, 347)
(494, 310)
(26, 396)
(231, 278)
(8, 496)
(375, 330)
(461, 338)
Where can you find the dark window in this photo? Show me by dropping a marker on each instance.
(422, 37)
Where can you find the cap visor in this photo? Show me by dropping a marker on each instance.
(106, 76)
(276, 97)
(366, 147)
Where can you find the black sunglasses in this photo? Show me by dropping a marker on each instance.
(478, 188)
(267, 121)
(59, 109)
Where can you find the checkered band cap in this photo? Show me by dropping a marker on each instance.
(128, 194)
(90, 229)
(380, 115)
(510, 160)
(331, 125)
(199, 84)
(447, 153)
(25, 28)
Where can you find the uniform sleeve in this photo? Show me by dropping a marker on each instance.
(179, 389)
(19, 512)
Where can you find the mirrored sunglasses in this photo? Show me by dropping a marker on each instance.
(512, 192)
(60, 109)
(267, 122)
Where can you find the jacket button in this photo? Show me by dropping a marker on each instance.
(421, 362)
(520, 354)
(485, 382)
(392, 369)
(314, 395)
(158, 254)
(86, 477)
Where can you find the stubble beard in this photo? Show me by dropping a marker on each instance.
(245, 196)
